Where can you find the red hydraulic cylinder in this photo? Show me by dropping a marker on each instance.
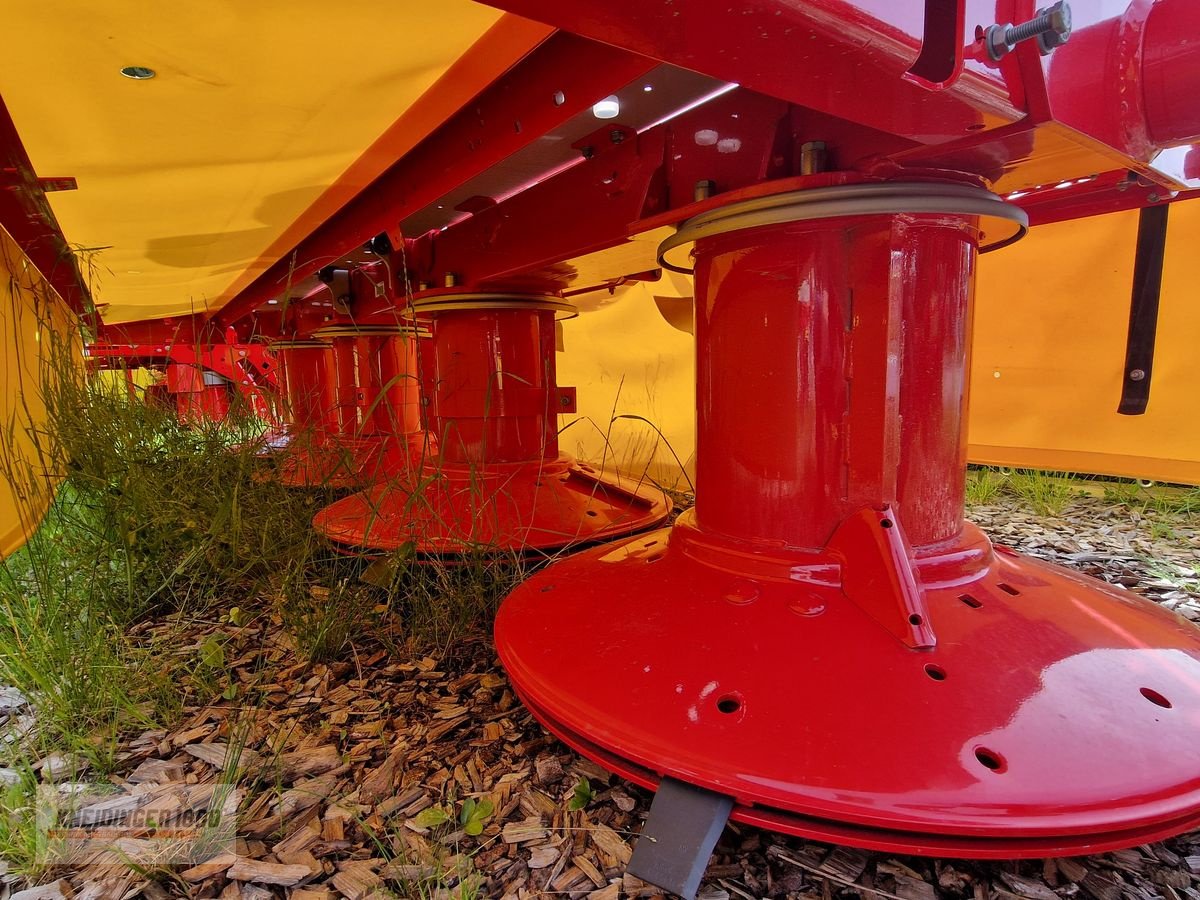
(499, 481)
(823, 639)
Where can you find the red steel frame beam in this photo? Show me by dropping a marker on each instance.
(26, 215)
(515, 111)
(832, 56)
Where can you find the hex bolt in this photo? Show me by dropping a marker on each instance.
(813, 157)
(703, 190)
(1051, 27)
(617, 136)
(1137, 375)
(450, 279)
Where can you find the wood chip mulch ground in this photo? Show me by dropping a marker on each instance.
(352, 778)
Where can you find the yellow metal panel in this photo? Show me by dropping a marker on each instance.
(33, 320)
(256, 110)
(1049, 349)
(627, 360)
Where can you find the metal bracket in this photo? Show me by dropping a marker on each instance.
(678, 837)
(1143, 310)
(878, 575)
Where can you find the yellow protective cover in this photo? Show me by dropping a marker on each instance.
(1051, 319)
(33, 319)
(264, 118)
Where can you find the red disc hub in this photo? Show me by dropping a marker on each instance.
(352, 401)
(499, 481)
(822, 638)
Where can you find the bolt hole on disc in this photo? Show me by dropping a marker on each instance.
(1156, 698)
(937, 673)
(914, 619)
(729, 704)
(990, 759)
(885, 523)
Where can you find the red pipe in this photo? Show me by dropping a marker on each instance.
(302, 370)
(826, 416)
(1171, 72)
(494, 397)
(389, 388)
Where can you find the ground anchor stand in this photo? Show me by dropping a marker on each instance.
(499, 482)
(822, 640)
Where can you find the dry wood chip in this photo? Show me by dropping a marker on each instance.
(302, 837)
(548, 770)
(222, 756)
(1102, 885)
(589, 869)
(845, 863)
(206, 870)
(59, 767)
(524, 832)
(301, 858)
(307, 793)
(110, 811)
(568, 879)
(1193, 864)
(543, 857)
(1071, 869)
(914, 888)
(157, 771)
(439, 731)
(310, 893)
(102, 884)
(1027, 887)
(608, 841)
(380, 782)
(262, 872)
(612, 892)
(57, 890)
(309, 762)
(535, 803)
(356, 879)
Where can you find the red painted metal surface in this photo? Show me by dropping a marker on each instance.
(361, 396)
(305, 406)
(1171, 72)
(200, 396)
(478, 136)
(26, 215)
(246, 369)
(823, 638)
(500, 481)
